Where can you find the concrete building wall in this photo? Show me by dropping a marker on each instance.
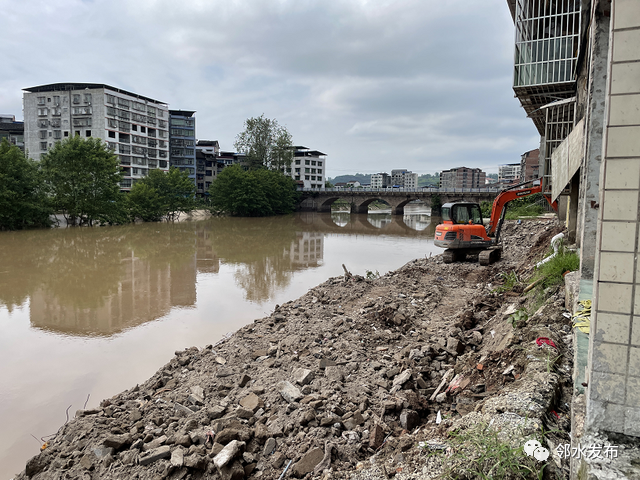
(614, 351)
(463, 177)
(530, 165)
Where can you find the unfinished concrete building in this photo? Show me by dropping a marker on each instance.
(577, 75)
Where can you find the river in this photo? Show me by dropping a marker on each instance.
(88, 312)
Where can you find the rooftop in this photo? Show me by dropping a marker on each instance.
(64, 87)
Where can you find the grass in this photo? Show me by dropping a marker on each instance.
(530, 210)
(479, 453)
(552, 271)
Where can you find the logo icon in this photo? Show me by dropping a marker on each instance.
(534, 449)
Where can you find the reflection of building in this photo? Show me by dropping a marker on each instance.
(182, 140)
(307, 249)
(462, 177)
(145, 292)
(206, 259)
(133, 126)
(308, 167)
(11, 130)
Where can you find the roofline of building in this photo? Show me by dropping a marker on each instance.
(63, 87)
(182, 113)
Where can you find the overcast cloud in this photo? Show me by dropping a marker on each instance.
(375, 84)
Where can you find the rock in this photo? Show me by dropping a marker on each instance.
(243, 413)
(233, 471)
(334, 374)
(247, 457)
(326, 362)
(269, 446)
(259, 353)
(288, 391)
(455, 345)
(421, 383)
(244, 379)
(195, 461)
(278, 460)
(183, 409)
(229, 434)
(399, 319)
(86, 462)
(302, 376)
(154, 455)
(376, 437)
(476, 338)
(155, 443)
(441, 397)
(228, 453)
(118, 441)
(224, 372)
(216, 449)
(101, 452)
(251, 402)
(307, 463)
(403, 378)
(352, 422)
(177, 458)
(215, 412)
(409, 419)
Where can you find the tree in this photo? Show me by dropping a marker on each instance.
(162, 194)
(23, 202)
(266, 144)
(253, 193)
(83, 176)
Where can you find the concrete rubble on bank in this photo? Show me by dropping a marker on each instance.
(358, 378)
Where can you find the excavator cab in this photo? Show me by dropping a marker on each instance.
(462, 232)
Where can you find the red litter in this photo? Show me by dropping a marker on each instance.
(541, 340)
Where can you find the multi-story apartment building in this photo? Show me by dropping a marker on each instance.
(308, 167)
(404, 178)
(182, 140)
(12, 131)
(208, 164)
(530, 165)
(380, 180)
(133, 126)
(462, 177)
(509, 173)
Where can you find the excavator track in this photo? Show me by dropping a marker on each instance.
(449, 256)
(489, 256)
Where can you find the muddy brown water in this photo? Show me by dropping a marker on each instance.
(88, 312)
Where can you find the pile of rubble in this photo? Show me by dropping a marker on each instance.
(359, 378)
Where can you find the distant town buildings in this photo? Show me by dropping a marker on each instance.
(404, 178)
(530, 165)
(208, 164)
(509, 173)
(380, 180)
(133, 126)
(462, 177)
(12, 131)
(182, 139)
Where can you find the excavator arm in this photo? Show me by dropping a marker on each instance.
(499, 205)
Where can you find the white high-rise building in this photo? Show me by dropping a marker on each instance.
(133, 126)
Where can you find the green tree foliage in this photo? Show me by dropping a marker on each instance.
(83, 177)
(162, 194)
(428, 180)
(253, 193)
(266, 143)
(23, 203)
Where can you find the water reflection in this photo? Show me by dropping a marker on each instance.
(98, 282)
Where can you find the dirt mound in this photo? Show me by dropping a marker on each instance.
(347, 381)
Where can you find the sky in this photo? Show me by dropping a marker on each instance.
(374, 84)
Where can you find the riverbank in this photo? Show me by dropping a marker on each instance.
(348, 381)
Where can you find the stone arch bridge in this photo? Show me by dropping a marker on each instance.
(321, 200)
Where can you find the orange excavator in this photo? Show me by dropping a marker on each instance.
(462, 231)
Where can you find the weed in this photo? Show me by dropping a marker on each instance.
(509, 280)
(520, 315)
(480, 453)
(371, 275)
(551, 362)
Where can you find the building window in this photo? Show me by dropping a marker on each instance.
(143, 129)
(163, 163)
(134, 128)
(88, 133)
(297, 177)
(306, 177)
(41, 100)
(66, 134)
(111, 99)
(57, 134)
(313, 162)
(306, 162)
(76, 98)
(307, 170)
(43, 112)
(43, 145)
(43, 134)
(319, 164)
(87, 98)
